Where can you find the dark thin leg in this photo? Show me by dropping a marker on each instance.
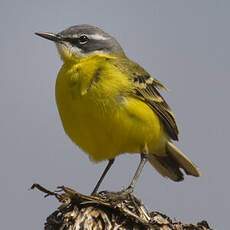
(103, 175)
(137, 174)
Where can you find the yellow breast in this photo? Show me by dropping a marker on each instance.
(99, 115)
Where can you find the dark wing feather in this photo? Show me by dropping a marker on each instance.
(146, 89)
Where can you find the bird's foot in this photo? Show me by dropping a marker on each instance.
(120, 195)
(126, 191)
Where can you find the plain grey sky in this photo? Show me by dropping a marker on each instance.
(185, 44)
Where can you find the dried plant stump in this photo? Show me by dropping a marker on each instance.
(107, 210)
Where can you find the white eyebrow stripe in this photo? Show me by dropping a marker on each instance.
(98, 37)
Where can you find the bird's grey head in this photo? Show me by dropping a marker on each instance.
(81, 40)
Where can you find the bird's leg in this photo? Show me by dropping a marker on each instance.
(111, 161)
(130, 188)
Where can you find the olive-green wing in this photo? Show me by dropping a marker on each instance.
(146, 89)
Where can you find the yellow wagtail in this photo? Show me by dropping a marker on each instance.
(109, 105)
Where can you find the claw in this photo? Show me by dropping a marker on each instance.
(127, 191)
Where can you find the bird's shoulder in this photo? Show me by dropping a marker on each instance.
(146, 88)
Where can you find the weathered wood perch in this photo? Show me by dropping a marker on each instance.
(107, 210)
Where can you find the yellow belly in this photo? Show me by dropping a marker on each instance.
(104, 124)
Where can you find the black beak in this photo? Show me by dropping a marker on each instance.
(50, 36)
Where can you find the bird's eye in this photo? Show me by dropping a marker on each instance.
(83, 39)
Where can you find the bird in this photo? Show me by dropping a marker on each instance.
(109, 105)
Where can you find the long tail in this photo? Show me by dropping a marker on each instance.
(170, 165)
